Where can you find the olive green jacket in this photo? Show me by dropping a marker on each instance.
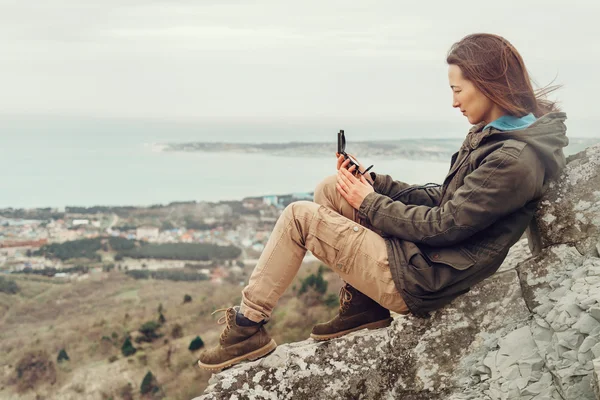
(443, 240)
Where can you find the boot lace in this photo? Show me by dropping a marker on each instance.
(345, 299)
(226, 318)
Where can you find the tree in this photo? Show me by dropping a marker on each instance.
(81, 248)
(62, 356)
(127, 349)
(196, 344)
(187, 299)
(149, 384)
(183, 251)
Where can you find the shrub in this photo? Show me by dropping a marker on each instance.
(149, 330)
(149, 384)
(127, 349)
(169, 274)
(332, 301)
(33, 369)
(314, 281)
(196, 344)
(62, 356)
(187, 299)
(177, 331)
(126, 392)
(112, 358)
(108, 267)
(8, 286)
(142, 358)
(161, 319)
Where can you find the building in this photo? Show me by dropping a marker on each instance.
(146, 233)
(303, 196)
(270, 200)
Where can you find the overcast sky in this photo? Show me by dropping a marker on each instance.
(369, 60)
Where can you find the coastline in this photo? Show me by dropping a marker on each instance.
(144, 175)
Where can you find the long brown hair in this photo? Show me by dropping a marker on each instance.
(496, 68)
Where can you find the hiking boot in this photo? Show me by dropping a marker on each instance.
(357, 311)
(241, 340)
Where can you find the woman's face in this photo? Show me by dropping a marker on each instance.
(472, 103)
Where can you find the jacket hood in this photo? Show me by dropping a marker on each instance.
(547, 136)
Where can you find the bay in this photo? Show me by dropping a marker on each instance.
(60, 161)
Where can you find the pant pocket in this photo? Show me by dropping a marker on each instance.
(347, 255)
(333, 238)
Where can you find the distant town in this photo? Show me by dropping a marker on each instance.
(60, 242)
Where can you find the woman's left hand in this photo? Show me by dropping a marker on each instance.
(353, 189)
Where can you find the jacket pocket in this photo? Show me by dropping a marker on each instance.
(455, 258)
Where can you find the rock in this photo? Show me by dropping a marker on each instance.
(517, 254)
(596, 350)
(531, 331)
(596, 378)
(587, 344)
(431, 355)
(586, 324)
(570, 211)
(595, 312)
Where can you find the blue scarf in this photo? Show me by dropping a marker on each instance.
(511, 123)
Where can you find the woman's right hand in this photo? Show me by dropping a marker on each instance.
(341, 159)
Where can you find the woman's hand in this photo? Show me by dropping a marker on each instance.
(340, 160)
(353, 189)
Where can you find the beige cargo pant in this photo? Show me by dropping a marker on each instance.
(331, 229)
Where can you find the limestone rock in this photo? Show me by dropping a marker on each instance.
(531, 331)
(570, 210)
(596, 382)
(433, 356)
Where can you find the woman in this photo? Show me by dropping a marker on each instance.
(413, 249)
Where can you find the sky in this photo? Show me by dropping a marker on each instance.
(205, 59)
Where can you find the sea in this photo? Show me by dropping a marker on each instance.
(50, 161)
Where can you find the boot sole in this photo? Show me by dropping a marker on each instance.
(372, 325)
(253, 355)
